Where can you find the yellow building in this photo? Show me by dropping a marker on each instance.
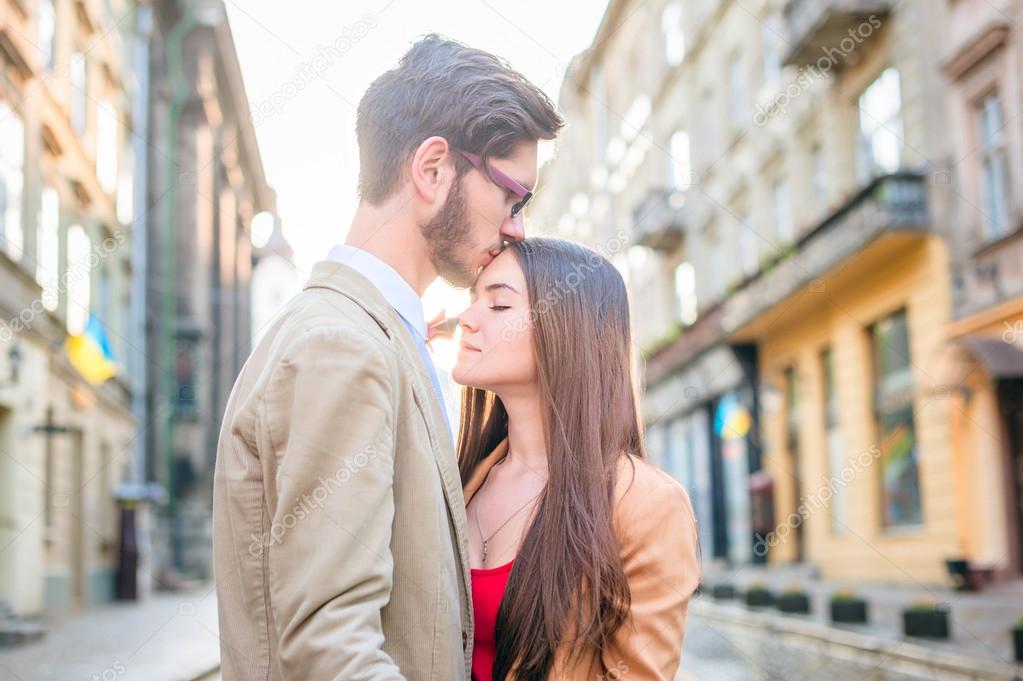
(855, 438)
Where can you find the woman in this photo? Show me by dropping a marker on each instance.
(584, 554)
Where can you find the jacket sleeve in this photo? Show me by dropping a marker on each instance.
(330, 567)
(660, 552)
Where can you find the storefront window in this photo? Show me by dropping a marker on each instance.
(893, 410)
(834, 445)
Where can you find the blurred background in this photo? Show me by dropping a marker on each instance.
(817, 206)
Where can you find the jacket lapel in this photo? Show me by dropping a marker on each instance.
(346, 281)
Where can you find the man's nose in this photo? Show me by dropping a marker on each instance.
(513, 228)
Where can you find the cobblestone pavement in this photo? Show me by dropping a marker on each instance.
(168, 637)
(981, 623)
(729, 642)
(723, 653)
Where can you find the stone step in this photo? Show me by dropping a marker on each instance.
(15, 631)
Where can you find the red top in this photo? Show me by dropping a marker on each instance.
(487, 591)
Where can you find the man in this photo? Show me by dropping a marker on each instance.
(340, 546)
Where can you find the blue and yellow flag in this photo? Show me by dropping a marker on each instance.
(90, 353)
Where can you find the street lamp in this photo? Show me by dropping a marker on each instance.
(14, 358)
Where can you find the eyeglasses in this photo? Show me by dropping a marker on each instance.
(501, 180)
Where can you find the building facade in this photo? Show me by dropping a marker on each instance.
(822, 244)
(205, 184)
(65, 272)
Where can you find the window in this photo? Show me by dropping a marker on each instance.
(12, 179)
(834, 446)
(719, 271)
(792, 411)
(880, 126)
(737, 90)
(681, 173)
(77, 279)
(771, 36)
(79, 91)
(46, 23)
(48, 262)
(792, 445)
(708, 126)
(106, 146)
(104, 306)
(783, 229)
(685, 291)
(893, 411)
(819, 173)
(748, 248)
(994, 167)
(674, 36)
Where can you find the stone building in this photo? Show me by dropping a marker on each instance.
(820, 220)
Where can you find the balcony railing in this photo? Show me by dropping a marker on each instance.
(890, 203)
(659, 220)
(831, 29)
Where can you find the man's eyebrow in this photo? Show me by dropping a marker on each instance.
(531, 188)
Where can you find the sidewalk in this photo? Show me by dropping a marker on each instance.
(169, 637)
(981, 622)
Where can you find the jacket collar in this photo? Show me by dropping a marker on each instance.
(339, 277)
(348, 282)
(398, 293)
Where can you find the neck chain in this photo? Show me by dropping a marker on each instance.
(486, 538)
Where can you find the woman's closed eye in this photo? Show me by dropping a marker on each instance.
(500, 308)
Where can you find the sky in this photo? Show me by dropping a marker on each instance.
(307, 64)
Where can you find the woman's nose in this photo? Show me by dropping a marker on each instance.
(465, 320)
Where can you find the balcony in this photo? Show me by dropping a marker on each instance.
(890, 204)
(659, 220)
(817, 28)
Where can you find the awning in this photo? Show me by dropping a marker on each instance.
(999, 358)
(964, 360)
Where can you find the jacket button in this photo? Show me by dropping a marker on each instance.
(465, 641)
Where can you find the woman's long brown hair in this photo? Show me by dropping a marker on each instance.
(568, 584)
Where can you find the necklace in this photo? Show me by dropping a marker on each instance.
(486, 538)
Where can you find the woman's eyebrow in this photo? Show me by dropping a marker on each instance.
(491, 287)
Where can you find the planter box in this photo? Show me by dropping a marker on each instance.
(849, 611)
(759, 598)
(1017, 640)
(723, 592)
(794, 603)
(930, 623)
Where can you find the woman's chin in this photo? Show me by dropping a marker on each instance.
(464, 377)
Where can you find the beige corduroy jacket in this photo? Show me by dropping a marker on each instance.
(339, 528)
(657, 535)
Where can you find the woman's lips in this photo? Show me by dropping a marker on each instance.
(469, 346)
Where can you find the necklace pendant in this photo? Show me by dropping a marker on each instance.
(484, 559)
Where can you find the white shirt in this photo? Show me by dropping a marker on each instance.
(398, 293)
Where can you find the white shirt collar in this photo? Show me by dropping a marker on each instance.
(398, 293)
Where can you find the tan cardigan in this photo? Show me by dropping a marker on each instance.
(657, 533)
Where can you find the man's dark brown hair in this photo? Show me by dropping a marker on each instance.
(473, 99)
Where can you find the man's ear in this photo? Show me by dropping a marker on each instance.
(433, 169)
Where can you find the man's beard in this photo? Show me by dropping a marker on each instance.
(447, 235)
